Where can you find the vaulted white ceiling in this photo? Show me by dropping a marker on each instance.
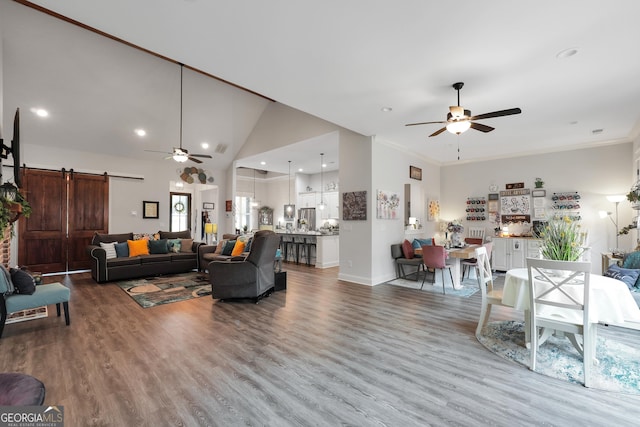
(342, 61)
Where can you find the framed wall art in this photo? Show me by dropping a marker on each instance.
(150, 209)
(354, 206)
(387, 203)
(415, 173)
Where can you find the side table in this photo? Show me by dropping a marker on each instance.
(280, 280)
(607, 260)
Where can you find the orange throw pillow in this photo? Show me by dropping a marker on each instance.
(138, 247)
(238, 248)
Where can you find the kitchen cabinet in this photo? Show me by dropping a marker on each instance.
(507, 253)
(307, 200)
(331, 205)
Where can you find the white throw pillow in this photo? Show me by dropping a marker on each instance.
(110, 249)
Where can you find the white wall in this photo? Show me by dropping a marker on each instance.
(391, 173)
(593, 172)
(125, 195)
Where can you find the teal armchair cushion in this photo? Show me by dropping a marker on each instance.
(632, 260)
(6, 286)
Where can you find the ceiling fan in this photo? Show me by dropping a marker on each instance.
(460, 120)
(180, 154)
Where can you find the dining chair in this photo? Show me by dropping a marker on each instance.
(559, 292)
(476, 233)
(490, 295)
(434, 257)
(470, 263)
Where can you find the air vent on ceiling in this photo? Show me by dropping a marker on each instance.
(221, 148)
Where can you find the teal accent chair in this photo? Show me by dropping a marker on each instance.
(54, 293)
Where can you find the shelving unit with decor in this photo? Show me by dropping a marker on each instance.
(476, 209)
(567, 204)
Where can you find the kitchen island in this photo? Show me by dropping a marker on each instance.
(327, 247)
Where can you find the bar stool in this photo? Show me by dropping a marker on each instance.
(287, 245)
(301, 248)
(310, 243)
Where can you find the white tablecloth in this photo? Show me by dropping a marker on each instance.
(610, 301)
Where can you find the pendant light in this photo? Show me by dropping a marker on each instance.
(321, 206)
(288, 209)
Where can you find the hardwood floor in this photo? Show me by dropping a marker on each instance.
(323, 353)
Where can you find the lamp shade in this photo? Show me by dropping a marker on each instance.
(208, 228)
(458, 127)
(616, 198)
(214, 228)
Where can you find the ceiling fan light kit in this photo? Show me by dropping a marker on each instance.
(180, 157)
(459, 126)
(459, 119)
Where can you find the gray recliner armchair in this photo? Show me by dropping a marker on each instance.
(251, 278)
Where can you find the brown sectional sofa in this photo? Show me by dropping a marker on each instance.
(107, 270)
(206, 253)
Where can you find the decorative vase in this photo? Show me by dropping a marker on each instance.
(456, 240)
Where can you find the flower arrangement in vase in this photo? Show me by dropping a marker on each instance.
(456, 229)
(562, 240)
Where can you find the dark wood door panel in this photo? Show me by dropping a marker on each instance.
(88, 213)
(47, 255)
(43, 236)
(67, 209)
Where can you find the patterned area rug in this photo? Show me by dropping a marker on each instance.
(618, 367)
(153, 291)
(469, 286)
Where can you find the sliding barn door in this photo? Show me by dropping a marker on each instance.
(42, 242)
(67, 208)
(88, 213)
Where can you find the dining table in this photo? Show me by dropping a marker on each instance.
(455, 257)
(611, 301)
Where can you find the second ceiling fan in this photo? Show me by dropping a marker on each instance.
(180, 154)
(459, 120)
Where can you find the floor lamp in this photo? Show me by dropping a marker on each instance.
(614, 199)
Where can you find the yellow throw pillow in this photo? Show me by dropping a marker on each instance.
(138, 247)
(238, 248)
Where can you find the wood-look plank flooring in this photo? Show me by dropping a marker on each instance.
(323, 353)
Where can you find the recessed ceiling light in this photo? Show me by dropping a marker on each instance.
(140, 132)
(386, 109)
(567, 53)
(205, 145)
(263, 163)
(300, 170)
(40, 112)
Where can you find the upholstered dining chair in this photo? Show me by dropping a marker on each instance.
(490, 296)
(559, 294)
(434, 257)
(468, 264)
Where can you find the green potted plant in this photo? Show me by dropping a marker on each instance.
(12, 205)
(539, 183)
(633, 196)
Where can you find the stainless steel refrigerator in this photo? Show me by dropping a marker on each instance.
(309, 214)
